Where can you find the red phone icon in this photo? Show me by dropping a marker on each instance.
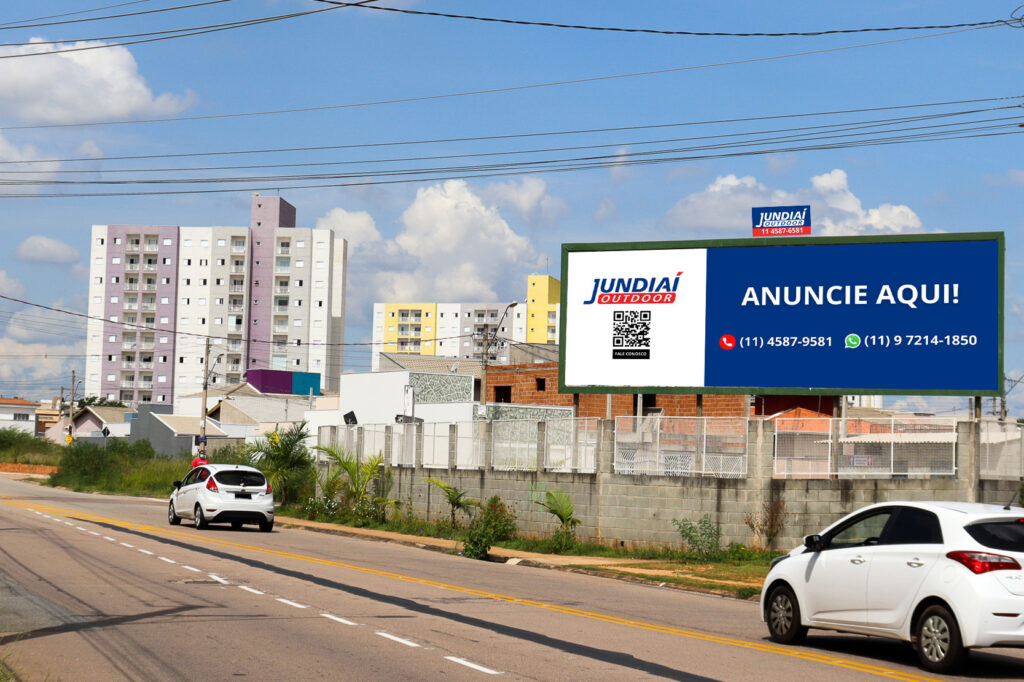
(727, 342)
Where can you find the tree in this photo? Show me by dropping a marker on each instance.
(284, 459)
(97, 401)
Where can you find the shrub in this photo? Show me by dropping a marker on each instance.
(18, 447)
(768, 523)
(497, 523)
(703, 537)
(559, 505)
(456, 498)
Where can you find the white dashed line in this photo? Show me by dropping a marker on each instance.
(68, 523)
(146, 551)
(398, 639)
(170, 561)
(125, 544)
(218, 579)
(291, 603)
(92, 532)
(336, 619)
(249, 589)
(109, 538)
(82, 529)
(189, 568)
(39, 512)
(474, 666)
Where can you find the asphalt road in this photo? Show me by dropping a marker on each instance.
(100, 588)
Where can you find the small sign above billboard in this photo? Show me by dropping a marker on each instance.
(781, 221)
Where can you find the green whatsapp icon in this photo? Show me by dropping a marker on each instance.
(852, 341)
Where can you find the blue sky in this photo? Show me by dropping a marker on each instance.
(471, 237)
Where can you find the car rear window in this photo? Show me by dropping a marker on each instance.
(253, 478)
(1005, 535)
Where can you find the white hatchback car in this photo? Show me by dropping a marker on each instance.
(945, 576)
(223, 493)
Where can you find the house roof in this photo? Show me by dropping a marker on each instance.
(107, 415)
(187, 426)
(227, 413)
(18, 402)
(433, 364)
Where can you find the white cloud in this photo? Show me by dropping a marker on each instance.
(358, 227)
(725, 205)
(619, 171)
(44, 326)
(10, 286)
(79, 86)
(606, 209)
(451, 247)
(40, 249)
(529, 198)
(90, 149)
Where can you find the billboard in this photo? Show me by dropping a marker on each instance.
(913, 314)
(781, 221)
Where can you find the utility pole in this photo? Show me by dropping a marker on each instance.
(488, 340)
(71, 411)
(206, 385)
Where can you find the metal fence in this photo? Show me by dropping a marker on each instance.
(681, 446)
(865, 448)
(1002, 450)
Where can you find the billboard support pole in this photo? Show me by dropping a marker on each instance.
(698, 465)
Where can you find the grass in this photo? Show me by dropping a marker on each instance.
(18, 447)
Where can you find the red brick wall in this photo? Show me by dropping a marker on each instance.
(523, 380)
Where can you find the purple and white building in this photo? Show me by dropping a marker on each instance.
(270, 296)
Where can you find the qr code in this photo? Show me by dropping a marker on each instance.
(631, 329)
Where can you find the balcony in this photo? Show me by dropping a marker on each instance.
(146, 385)
(149, 267)
(128, 384)
(281, 289)
(146, 365)
(152, 246)
(149, 306)
(282, 269)
(131, 267)
(238, 270)
(280, 329)
(129, 345)
(236, 289)
(147, 345)
(284, 250)
(131, 286)
(130, 306)
(149, 286)
(237, 248)
(234, 346)
(128, 364)
(280, 310)
(131, 247)
(236, 309)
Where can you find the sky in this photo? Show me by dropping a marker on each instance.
(457, 155)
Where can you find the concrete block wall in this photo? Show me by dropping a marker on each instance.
(626, 510)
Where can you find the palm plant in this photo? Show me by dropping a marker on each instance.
(559, 505)
(456, 497)
(356, 477)
(284, 459)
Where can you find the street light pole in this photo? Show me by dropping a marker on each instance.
(488, 340)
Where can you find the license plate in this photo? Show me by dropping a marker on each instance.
(243, 496)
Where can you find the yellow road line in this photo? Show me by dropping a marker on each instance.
(568, 610)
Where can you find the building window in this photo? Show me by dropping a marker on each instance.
(541, 384)
(20, 417)
(502, 394)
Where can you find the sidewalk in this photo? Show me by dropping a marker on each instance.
(496, 554)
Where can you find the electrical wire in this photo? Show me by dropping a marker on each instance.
(1012, 21)
(11, 26)
(511, 136)
(82, 11)
(487, 91)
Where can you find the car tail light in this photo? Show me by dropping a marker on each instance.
(268, 487)
(983, 562)
(211, 485)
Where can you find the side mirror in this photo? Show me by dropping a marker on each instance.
(813, 543)
(177, 484)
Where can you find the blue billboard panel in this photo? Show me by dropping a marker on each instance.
(918, 315)
(781, 221)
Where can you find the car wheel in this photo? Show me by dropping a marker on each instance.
(783, 617)
(236, 524)
(172, 518)
(199, 519)
(937, 639)
(266, 526)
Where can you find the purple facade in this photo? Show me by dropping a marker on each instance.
(268, 213)
(146, 271)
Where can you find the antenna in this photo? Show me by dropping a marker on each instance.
(1012, 500)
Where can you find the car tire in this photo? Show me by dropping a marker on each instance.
(266, 526)
(172, 518)
(782, 613)
(199, 519)
(937, 640)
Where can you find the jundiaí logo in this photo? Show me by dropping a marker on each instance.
(626, 290)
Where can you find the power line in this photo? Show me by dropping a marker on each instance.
(11, 26)
(83, 11)
(1013, 21)
(836, 127)
(511, 136)
(487, 91)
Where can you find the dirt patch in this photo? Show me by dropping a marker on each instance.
(41, 469)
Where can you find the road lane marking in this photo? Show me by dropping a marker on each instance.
(146, 551)
(249, 589)
(125, 544)
(170, 561)
(336, 619)
(189, 568)
(752, 645)
(92, 532)
(68, 523)
(291, 603)
(406, 642)
(105, 537)
(474, 666)
(218, 579)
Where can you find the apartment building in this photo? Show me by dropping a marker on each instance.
(461, 330)
(267, 296)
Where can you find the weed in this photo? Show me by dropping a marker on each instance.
(768, 523)
(703, 537)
